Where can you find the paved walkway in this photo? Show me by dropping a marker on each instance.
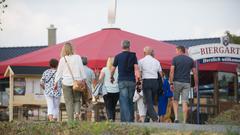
(191, 127)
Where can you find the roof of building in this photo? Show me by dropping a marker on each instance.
(12, 52)
(192, 42)
(28, 70)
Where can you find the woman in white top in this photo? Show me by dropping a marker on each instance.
(112, 96)
(72, 98)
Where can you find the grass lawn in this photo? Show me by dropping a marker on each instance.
(229, 117)
(86, 128)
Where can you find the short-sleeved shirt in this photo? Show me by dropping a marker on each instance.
(125, 62)
(90, 76)
(110, 87)
(182, 68)
(48, 81)
(149, 67)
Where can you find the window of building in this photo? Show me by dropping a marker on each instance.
(226, 86)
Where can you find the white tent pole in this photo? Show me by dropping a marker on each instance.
(11, 82)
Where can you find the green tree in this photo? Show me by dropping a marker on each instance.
(233, 38)
(3, 6)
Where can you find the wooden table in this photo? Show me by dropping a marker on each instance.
(31, 107)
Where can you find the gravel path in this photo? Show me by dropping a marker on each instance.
(191, 127)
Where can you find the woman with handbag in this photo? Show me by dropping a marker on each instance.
(71, 70)
(52, 96)
(111, 89)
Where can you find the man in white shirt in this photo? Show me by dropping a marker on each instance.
(150, 67)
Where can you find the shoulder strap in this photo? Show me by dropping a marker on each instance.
(51, 77)
(69, 68)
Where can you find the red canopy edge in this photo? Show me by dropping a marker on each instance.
(1, 77)
(219, 66)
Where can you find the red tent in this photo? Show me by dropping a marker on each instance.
(99, 45)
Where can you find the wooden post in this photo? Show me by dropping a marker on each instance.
(216, 93)
(236, 88)
(198, 96)
(11, 83)
(59, 115)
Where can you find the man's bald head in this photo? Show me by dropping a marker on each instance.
(148, 50)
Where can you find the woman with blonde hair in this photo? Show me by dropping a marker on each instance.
(112, 96)
(70, 68)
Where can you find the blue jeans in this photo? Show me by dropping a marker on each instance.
(126, 89)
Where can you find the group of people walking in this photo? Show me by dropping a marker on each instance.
(122, 78)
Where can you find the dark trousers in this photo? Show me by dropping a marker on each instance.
(110, 101)
(150, 90)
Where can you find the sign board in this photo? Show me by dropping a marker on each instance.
(215, 53)
(19, 86)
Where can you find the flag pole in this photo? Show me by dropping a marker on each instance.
(198, 95)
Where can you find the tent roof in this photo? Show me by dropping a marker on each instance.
(98, 46)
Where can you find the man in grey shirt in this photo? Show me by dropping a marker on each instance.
(90, 79)
(180, 80)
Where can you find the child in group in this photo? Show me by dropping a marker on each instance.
(138, 98)
(163, 99)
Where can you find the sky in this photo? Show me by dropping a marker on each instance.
(25, 22)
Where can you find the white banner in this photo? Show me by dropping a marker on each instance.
(215, 53)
